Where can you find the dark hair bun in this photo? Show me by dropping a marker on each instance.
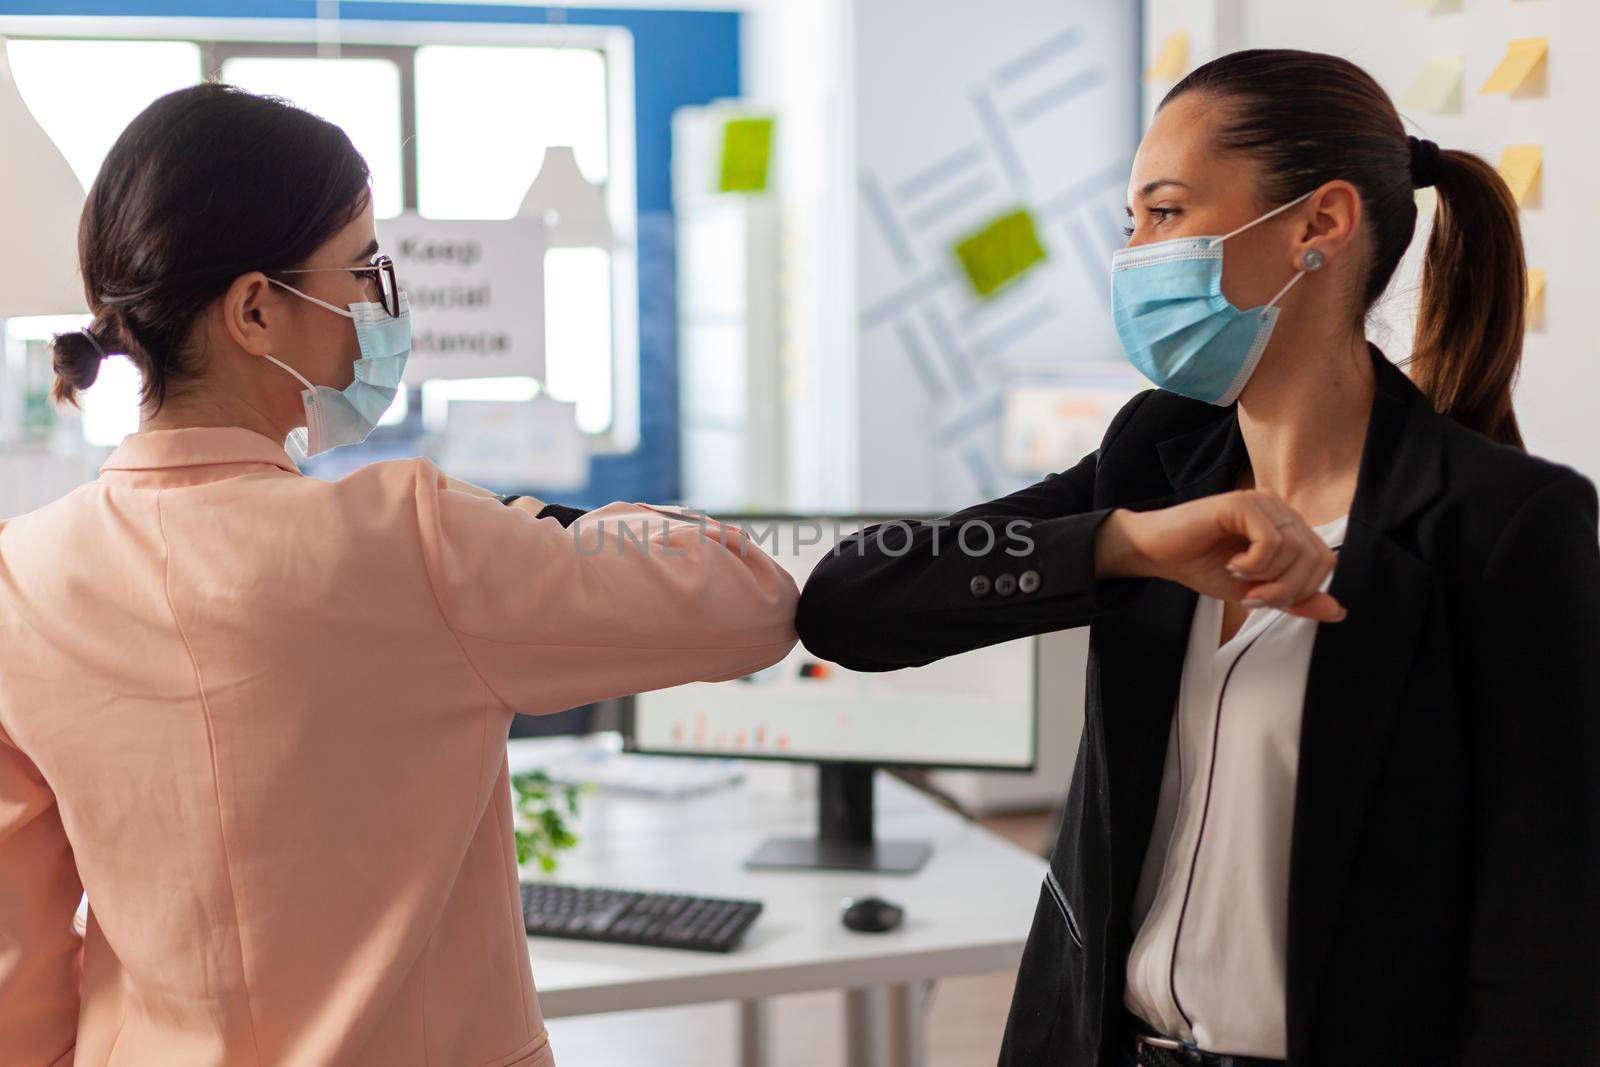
(76, 357)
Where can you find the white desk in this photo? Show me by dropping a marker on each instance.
(967, 911)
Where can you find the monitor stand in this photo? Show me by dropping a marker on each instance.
(844, 840)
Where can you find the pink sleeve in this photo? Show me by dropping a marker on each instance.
(627, 599)
(39, 947)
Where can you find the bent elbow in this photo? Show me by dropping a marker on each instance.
(752, 661)
(834, 629)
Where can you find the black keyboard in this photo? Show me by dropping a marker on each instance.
(659, 920)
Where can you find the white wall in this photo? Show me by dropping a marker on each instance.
(903, 125)
(964, 111)
(1557, 397)
(796, 61)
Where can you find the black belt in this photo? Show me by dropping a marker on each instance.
(1165, 1052)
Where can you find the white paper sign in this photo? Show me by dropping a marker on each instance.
(515, 443)
(476, 289)
(1050, 427)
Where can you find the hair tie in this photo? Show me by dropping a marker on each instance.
(89, 333)
(1424, 163)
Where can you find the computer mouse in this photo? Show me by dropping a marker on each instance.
(871, 915)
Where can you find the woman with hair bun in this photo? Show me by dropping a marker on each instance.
(260, 719)
(1336, 801)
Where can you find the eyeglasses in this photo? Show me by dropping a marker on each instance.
(382, 269)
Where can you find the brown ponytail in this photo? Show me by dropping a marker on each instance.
(76, 359)
(1468, 343)
(1308, 119)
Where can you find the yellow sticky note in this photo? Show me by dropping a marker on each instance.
(1438, 85)
(1522, 56)
(1535, 288)
(1172, 62)
(1519, 166)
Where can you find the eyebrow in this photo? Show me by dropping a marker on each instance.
(368, 252)
(1149, 187)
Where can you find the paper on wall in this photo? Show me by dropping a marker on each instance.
(1001, 252)
(477, 295)
(1535, 297)
(1520, 165)
(1437, 87)
(1521, 59)
(746, 154)
(1051, 426)
(1172, 62)
(515, 444)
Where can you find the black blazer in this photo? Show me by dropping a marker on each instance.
(1444, 900)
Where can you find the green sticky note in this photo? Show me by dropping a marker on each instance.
(1001, 252)
(746, 151)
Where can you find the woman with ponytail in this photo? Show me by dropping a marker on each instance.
(1335, 802)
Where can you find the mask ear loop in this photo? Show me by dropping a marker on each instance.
(291, 370)
(1277, 210)
(338, 310)
(1311, 260)
(1301, 273)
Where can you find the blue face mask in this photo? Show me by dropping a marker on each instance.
(345, 417)
(1176, 326)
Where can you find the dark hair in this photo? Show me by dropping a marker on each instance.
(206, 184)
(1308, 119)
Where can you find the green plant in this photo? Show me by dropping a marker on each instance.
(540, 823)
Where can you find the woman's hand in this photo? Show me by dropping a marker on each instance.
(467, 487)
(1246, 545)
(531, 504)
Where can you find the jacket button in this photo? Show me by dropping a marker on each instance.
(1006, 584)
(1029, 581)
(979, 586)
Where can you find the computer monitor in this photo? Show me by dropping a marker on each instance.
(977, 710)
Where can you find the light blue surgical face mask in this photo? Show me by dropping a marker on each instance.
(1176, 326)
(345, 417)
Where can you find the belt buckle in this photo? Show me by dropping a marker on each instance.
(1175, 1049)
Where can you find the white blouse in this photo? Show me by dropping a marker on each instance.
(1208, 962)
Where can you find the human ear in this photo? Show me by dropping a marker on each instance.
(1332, 219)
(249, 312)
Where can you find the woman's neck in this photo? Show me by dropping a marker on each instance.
(1303, 417)
(210, 410)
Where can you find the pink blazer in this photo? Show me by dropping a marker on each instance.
(260, 719)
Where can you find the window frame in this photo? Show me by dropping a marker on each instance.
(221, 38)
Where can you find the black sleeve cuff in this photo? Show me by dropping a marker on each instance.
(563, 514)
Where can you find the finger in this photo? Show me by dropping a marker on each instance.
(1320, 607)
(461, 486)
(1302, 579)
(1250, 520)
(1292, 528)
(1301, 574)
(1255, 567)
(1268, 565)
(1292, 587)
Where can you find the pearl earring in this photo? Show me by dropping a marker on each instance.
(1312, 259)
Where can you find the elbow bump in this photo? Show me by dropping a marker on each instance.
(816, 622)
